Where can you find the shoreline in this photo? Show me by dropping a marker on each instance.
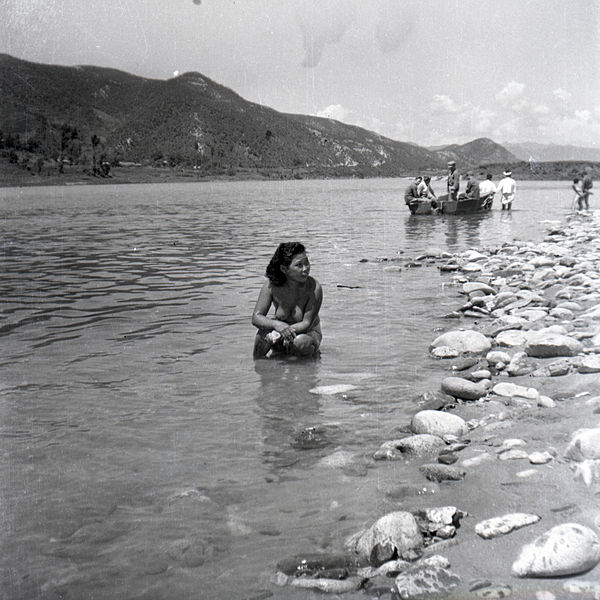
(12, 175)
(520, 389)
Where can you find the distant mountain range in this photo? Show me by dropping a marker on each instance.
(87, 114)
(552, 152)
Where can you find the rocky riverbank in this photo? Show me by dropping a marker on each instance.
(511, 441)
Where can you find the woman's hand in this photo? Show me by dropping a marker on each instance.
(286, 332)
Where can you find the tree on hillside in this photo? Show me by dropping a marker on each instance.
(95, 141)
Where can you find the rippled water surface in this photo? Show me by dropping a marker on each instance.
(145, 454)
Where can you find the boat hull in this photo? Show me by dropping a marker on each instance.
(462, 206)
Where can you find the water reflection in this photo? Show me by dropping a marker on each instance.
(293, 432)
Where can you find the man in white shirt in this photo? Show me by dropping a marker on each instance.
(487, 189)
(507, 188)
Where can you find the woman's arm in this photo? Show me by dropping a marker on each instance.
(259, 316)
(311, 311)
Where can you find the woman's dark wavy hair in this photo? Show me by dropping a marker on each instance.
(283, 257)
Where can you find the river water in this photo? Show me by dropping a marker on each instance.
(144, 453)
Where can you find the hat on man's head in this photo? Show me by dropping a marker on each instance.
(507, 173)
(451, 163)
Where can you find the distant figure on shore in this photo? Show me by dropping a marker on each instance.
(507, 188)
(425, 190)
(578, 189)
(453, 182)
(487, 191)
(472, 189)
(586, 186)
(295, 327)
(412, 193)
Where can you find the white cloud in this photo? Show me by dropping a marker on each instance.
(510, 93)
(562, 95)
(444, 104)
(335, 111)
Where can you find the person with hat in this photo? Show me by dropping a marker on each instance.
(507, 187)
(453, 183)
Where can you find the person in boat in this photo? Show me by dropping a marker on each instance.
(453, 181)
(412, 194)
(487, 191)
(295, 326)
(472, 189)
(425, 190)
(507, 187)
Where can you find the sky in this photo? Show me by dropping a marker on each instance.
(431, 72)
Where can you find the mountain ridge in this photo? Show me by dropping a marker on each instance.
(90, 115)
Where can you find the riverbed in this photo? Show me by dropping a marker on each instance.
(146, 455)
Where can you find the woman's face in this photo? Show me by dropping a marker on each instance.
(299, 269)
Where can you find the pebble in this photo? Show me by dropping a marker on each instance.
(540, 458)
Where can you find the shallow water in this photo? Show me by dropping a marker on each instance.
(145, 454)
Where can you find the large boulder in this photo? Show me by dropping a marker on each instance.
(438, 423)
(510, 338)
(463, 341)
(566, 549)
(458, 387)
(548, 345)
(392, 535)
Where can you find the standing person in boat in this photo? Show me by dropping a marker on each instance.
(472, 189)
(487, 191)
(412, 194)
(295, 327)
(586, 186)
(507, 187)
(453, 183)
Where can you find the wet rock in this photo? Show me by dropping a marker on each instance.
(540, 458)
(390, 537)
(331, 586)
(495, 357)
(444, 352)
(493, 591)
(463, 341)
(414, 445)
(584, 445)
(548, 345)
(480, 375)
(438, 423)
(496, 526)
(477, 286)
(589, 364)
(310, 438)
(313, 564)
(511, 338)
(429, 577)
(520, 364)
(566, 549)
(504, 323)
(459, 387)
(465, 363)
(447, 458)
(511, 390)
(437, 472)
(546, 402)
(513, 455)
(433, 400)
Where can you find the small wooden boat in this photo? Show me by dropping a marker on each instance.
(444, 206)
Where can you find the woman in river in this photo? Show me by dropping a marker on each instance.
(296, 296)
